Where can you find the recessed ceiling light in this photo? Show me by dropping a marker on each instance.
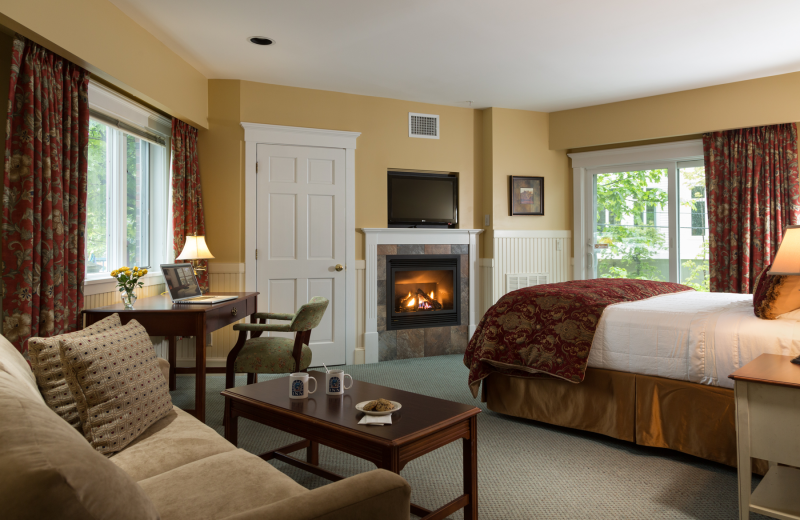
(261, 40)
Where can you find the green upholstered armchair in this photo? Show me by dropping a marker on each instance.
(274, 355)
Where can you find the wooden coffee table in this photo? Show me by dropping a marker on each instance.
(421, 426)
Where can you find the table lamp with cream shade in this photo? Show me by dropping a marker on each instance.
(787, 260)
(195, 249)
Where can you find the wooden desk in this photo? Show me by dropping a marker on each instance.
(160, 317)
(767, 392)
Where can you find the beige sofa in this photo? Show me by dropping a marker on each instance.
(178, 469)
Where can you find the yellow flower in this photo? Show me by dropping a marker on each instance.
(135, 268)
(143, 272)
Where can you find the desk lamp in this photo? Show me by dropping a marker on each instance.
(195, 249)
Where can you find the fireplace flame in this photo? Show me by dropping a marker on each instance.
(412, 302)
(432, 298)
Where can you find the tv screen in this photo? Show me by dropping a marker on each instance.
(422, 198)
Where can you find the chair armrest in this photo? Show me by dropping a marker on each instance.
(273, 316)
(375, 494)
(262, 327)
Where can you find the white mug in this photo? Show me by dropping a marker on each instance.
(334, 382)
(298, 385)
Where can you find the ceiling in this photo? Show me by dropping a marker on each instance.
(526, 54)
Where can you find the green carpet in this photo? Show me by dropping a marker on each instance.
(526, 469)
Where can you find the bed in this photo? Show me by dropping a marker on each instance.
(656, 372)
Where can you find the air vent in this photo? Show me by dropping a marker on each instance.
(425, 126)
(522, 280)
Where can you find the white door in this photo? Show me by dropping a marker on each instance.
(301, 239)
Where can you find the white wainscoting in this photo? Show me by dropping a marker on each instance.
(360, 354)
(525, 251)
(487, 295)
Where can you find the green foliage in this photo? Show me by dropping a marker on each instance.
(699, 277)
(96, 247)
(629, 196)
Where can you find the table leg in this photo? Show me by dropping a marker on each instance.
(231, 424)
(471, 470)
(312, 453)
(173, 360)
(200, 370)
(743, 448)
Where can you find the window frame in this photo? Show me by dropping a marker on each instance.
(585, 165)
(112, 105)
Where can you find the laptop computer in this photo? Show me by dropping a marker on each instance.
(183, 287)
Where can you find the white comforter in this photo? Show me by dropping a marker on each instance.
(691, 336)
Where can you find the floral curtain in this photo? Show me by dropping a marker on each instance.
(44, 210)
(187, 198)
(753, 194)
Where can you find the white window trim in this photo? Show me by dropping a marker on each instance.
(111, 103)
(586, 164)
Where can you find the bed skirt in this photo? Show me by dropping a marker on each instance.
(651, 411)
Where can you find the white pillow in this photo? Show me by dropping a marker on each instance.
(791, 315)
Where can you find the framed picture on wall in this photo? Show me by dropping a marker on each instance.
(526, 195)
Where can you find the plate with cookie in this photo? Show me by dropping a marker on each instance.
(378, 407)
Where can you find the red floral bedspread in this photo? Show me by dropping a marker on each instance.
(547, 330)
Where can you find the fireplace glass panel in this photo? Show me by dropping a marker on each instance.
(423, 291)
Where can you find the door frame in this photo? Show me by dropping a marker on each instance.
(258, 133)
(586, 164)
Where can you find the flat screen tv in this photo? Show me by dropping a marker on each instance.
(422, 199)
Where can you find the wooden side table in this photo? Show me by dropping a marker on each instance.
(767, 392)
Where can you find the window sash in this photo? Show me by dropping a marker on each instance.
(153, 159)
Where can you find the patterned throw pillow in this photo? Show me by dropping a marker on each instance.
(46, 365)
(118, 385)
(777, 295)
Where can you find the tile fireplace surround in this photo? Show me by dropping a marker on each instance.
(383, 345)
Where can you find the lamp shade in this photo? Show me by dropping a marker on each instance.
(787, 261)
(195, 248)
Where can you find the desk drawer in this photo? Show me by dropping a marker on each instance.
(226, 314)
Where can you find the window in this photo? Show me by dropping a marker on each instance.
(641, 212)
(127, 181)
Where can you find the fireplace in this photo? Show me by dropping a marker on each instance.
(422, 291)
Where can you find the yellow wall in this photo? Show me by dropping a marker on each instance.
(221, 155)
(757, 102)
(487, 184)
(519, 147)
(383, 144)
(98, 36)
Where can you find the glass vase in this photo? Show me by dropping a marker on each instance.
(128, 298)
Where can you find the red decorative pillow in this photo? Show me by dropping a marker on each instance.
(760, 288)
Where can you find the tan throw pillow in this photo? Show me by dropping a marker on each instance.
(782, 296)
(118, 386)
(46, 365)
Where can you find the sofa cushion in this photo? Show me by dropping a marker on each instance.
(17, 367)
(117, 384)
(196, 491)
(46, 365)
(175, 440)
(50, 471)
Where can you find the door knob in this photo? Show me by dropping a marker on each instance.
(339, 267)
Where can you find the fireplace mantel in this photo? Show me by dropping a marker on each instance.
(379, 236)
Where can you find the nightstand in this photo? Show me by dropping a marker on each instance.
(767, 392)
